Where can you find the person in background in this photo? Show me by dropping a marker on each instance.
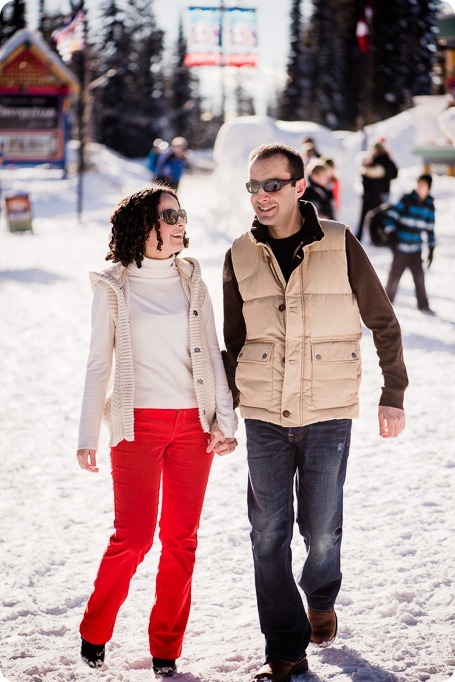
(172, 163)
(377, 170)
(296, 289)
(308, 150)
(169, 411)
(317, 190)
(334, 184)
(159, 147)
(411, 220)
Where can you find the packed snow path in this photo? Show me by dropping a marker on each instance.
(396, 605)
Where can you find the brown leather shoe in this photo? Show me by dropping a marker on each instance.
(324, 625)
(281, 669)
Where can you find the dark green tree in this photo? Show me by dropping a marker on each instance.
(129, 107)
(244, 102)
(297, 92)
(12, 19)
(332, 82)
(327, 65)
(182, 95)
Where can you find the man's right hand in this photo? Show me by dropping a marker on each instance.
(391, 421)
(87, 460)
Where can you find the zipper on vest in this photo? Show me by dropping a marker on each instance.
(270, 259)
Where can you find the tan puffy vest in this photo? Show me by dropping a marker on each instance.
(301, 360)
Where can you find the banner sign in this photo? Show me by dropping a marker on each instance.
(204, 37)
(241, 38)
(216, 40)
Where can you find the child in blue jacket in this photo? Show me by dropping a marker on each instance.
(412, 222)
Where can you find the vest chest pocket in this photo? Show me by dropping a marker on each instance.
(254, 374)
(335, 373)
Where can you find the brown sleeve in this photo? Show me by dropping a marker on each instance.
(378, 315)
(234, 325)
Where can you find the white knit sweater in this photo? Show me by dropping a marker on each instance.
(213, 397)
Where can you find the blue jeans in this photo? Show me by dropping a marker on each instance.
(315, 456)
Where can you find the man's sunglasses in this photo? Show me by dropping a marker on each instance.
(171, 216)
(272, 185)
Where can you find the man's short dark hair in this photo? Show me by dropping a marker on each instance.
(266, 151)
(426, 177)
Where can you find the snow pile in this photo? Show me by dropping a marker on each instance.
(396, 604)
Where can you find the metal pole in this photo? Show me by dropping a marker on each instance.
(81, 152)
(222, 59)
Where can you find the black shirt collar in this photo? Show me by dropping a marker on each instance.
(311, 229)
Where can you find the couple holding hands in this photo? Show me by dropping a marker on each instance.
(295, 291)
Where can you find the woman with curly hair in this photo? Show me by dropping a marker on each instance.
(168, 412)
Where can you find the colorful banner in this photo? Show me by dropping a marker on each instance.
(241, 37)
(204, 36)
(214, 40)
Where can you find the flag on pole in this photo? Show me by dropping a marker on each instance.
(70, 38)
(362, 31)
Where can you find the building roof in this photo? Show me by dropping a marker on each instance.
(27, 60)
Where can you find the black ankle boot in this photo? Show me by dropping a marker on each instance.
(164, 667)
(92, 654)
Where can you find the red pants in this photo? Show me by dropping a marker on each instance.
(169, 449)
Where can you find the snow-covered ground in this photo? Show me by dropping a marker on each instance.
(396, 606)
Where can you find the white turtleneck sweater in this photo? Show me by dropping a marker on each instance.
(158, 326)
(160, 336)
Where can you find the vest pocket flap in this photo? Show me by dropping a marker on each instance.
(259, 351)
(335, 351)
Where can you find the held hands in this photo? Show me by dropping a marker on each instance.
(430, 256)
(87, 460)
(391, 421)
(219, 443)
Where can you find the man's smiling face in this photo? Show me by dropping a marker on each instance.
(276, 210)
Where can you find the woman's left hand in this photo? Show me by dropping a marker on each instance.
(219, 443)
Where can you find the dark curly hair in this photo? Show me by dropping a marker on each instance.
(133, 220)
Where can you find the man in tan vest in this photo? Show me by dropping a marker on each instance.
(295, 291)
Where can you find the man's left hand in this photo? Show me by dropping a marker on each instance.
(391, 421)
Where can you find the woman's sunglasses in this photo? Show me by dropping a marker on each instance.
(272, 185)
(171, 216)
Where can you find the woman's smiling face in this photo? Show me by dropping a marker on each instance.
(171, 235)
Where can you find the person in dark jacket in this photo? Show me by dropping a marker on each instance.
(410, 220)
(377, 171)
(317, 190)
